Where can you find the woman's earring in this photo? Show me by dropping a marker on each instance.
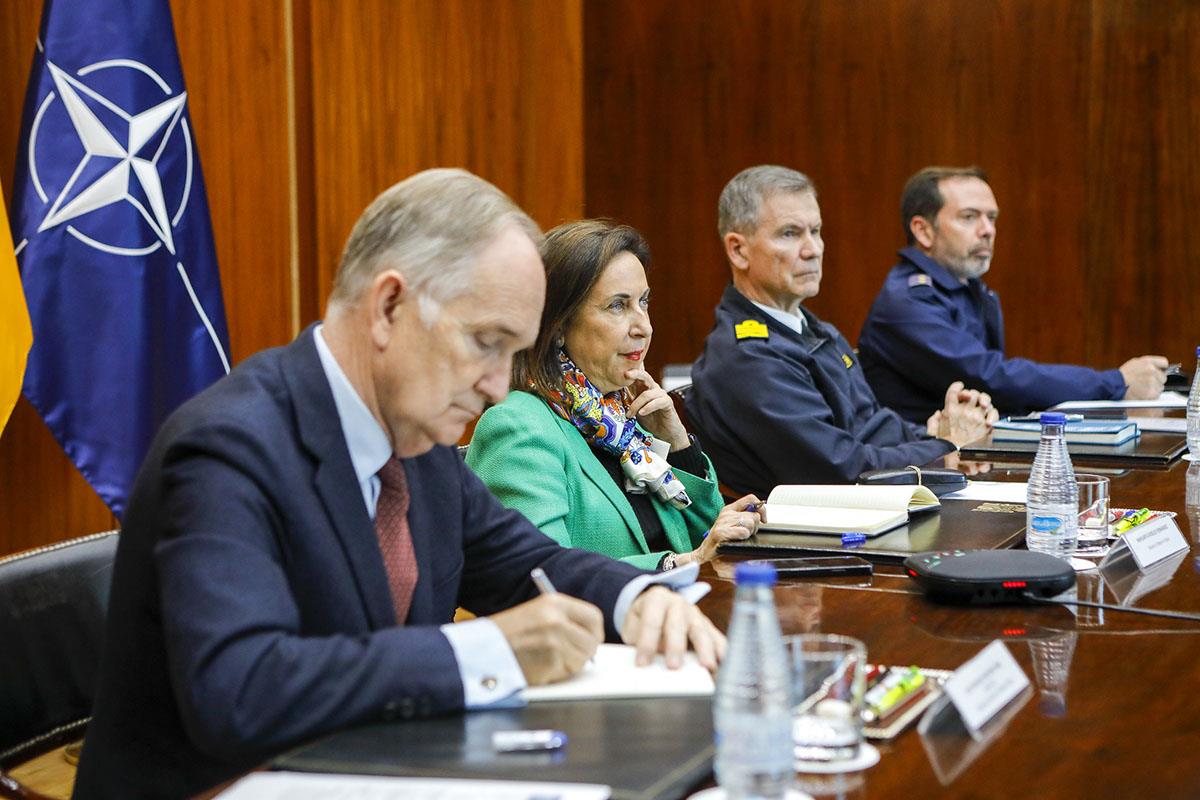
(559, 342)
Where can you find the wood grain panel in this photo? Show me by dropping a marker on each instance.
(1143, 180)
(860, 95)
(494, 87)
(233, 56)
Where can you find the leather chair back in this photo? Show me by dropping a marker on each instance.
(679, 397)
(53, 602)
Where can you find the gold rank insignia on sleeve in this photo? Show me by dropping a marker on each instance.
(849, 362)
(920, 279)
(750, 329)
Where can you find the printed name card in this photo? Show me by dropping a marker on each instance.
(1148, 543)
(985, 684)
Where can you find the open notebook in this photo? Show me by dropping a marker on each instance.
(844, 509)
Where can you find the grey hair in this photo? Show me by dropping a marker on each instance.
(743, 196)
(430, 227)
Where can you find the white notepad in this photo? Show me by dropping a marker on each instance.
(612, 674)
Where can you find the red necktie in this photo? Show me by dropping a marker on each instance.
(395, 541)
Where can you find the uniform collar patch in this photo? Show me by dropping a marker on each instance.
(847, 360)
(919, 279)
(750, 329)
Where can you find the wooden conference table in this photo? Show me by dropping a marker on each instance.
(1114, 710)
(1115, 707)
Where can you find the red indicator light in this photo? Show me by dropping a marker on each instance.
(1014, 584)
(912, 572)
(1014, 631)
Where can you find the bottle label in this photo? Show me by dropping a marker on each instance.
(1045, 525)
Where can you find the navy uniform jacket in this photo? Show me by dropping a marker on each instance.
(772, 406)
(250, 605)
(927, 330)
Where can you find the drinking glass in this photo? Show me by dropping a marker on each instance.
(828, 679)
(1093, 508)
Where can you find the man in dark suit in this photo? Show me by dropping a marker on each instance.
(301, 533)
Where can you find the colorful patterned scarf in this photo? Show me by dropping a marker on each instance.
(602, 421)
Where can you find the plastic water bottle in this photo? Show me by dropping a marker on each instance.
(1052, 504)
(1193, 412)
(752, 708)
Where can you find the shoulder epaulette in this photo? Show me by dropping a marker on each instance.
(750, 329)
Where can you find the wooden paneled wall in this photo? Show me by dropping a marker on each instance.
(1084, 114)
(303, 111)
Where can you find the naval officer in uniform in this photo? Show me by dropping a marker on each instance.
(778, 395)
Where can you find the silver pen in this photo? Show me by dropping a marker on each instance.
(541, 581)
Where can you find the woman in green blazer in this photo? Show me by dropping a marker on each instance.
(588, 446)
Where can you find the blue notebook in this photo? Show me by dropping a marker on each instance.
(1083, 431)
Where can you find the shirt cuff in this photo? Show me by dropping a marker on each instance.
(491, 676)
(681, 579)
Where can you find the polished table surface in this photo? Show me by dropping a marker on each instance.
(1115, 707)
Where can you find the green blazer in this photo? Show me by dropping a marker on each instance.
(536, 462)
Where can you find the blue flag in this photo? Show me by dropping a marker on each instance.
(113, 237)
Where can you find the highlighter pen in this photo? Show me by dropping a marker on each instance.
(901, 679)
(1136, 518)
(896, 698)
(895, 676)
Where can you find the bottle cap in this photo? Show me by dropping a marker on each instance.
(755, 573)
(1198, 352)
(1053, 418)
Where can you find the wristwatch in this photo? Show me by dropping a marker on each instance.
(668, 563)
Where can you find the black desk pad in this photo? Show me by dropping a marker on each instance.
(657, 749)
(959, 525)
(1151, 449)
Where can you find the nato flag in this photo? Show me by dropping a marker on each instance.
(113, 237)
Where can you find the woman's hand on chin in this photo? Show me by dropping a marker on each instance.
(655, 410)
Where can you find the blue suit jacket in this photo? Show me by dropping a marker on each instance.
(772, 406)
(926, 330)
(250, 605)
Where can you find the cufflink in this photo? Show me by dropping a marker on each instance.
(489, 683)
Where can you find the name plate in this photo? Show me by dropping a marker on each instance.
(1148, 543)
(985, 684)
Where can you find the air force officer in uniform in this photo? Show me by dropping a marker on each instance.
(935, 319)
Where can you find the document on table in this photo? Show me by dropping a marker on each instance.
(991, 491)
(613, 674)
(1161, 424)
(1165, 400)
(307, 786)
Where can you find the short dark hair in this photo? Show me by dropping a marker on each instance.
(923, 198)
(575, 255)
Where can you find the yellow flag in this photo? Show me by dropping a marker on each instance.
(15, 334)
